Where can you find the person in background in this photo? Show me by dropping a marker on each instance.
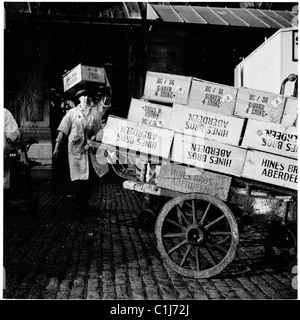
(11, 135)
(78, 125)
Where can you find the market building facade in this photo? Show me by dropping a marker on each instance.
(42, 41)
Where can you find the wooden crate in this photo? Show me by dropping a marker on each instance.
(138, 137)
(82, 74)
(149, 113)
(259, 105)
(212, 96)
(271, 169)
(184, 179)
(207, 154)
(206, 124)
(271, 137)
(290, 113)
(168, 88)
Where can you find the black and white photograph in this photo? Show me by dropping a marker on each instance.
(150, 154)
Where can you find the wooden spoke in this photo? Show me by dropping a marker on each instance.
(188, 250)
(223, 249)
(180, 212)
(194, 212)
(210, 255)
(174, 235)
(220, 233)
(197, 258)
(176, 224)
(177, 246)
(188, 205)
(205, 213)
(214, 222)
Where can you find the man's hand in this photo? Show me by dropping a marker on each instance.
(55, 153)
(107, 94)
(58, 141)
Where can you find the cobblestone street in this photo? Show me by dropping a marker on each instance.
(108, 256)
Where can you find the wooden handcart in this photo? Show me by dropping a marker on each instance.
(205, 154)
(197, 234)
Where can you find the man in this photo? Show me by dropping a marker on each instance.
(11, 134)
(80, 124)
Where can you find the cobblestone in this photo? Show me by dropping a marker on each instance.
(210, 289)
(107, 256)
(238, 290)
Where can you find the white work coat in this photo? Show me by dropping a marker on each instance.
(11, 133)
(79, 128)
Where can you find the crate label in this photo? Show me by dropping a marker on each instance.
(138, 137)
(212, 96)
(227, 98)
(272, 169)
(207, 154)
(149, 113)
(93, 74)
(206, 124)
(180, 90)
(163, 87)
(271, 137)
(259, 105)
(276, 102)
(185, 179)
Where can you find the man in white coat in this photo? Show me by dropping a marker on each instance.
(80, 124)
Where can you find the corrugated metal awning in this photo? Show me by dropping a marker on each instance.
(240, 17)
(209, 15)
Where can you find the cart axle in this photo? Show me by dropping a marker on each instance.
(195, 235)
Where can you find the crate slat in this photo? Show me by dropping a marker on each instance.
(168, 88)
(206, 124)
(271, 137)
(212, 96)
(149, 113)
(184, 179)
(272, 169)
(207, 154)
(138, 137)
(259, 105)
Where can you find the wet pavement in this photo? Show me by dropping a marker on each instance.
(53, 254)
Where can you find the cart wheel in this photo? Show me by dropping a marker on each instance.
(197, 235)
(147, 220)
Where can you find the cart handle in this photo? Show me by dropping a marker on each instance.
(292, 77)
(123, 172)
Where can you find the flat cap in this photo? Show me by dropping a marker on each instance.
(83, 92)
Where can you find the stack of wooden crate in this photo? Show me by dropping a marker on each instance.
(203, 133)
